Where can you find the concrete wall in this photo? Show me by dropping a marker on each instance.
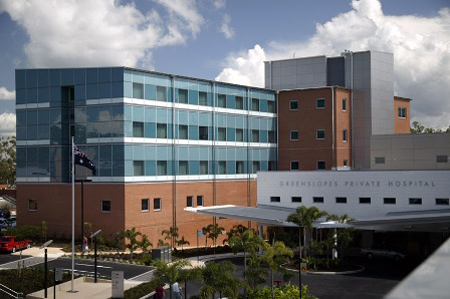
(410, 151)
(377, 185)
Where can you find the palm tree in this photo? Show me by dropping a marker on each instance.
(145, 243)
(304, 218)
(214, 231)
(343, 235)
(236, 230)
(182, 242)
(131, 235)
(172, 235)
(206, 231)
(218, 277)
(170, 273)
(161, 243)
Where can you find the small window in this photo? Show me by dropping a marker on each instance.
(182, 96)
(255, 104)
(106, 206)
(161, 93)
(364, 200)
(345, 163)
(442, 159)
(344, 104)
(32, 205)
(320, 103)
(272, 137)
(161, 167)
(156, 204)
(204, 167)
(203, 98)
(138, 168)
(275, 199)
(317, 199)
(380, 160)
(138, 129)
(294, 165)
(272, 165)
(189, 201)
(415, 201)
(255, 166)
(239, 103)
(401, 112)
(442, 201)
(294, 135)
(255, 135)
(222, 167)
(296, 199)
(320, 165)
(341, 199)
(344, 135)
(320, 134)
(138, 90)
(200, 201)
(271, 106)
(161, 131)
(144, 205)
(183, 168)
(239, 135)
(203, 133)
(222, 101)
(222, 134)
(293, 105)
(239, 167)
(389, 200)
(183, 132)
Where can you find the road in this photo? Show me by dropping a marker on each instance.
(86, 267)
(7, 257)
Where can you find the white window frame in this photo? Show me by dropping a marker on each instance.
(344, 105)
(317, 102)
(344, 135)
(290, 135)
(402, 112)
(148, 205)
(203, 200)
(160, 204)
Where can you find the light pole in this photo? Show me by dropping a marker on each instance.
(45, 265)
(82, 181)
(94, 235)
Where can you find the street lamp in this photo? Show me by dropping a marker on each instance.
(94, 235)
(45, 265)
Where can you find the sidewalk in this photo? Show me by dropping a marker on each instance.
(52, 252)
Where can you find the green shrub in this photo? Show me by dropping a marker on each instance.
(287, 291)
(142, 289)
(32, 232)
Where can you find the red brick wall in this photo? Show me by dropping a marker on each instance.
(343, 121)
(402, 125)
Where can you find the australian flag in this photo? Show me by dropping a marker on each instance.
(81, 159)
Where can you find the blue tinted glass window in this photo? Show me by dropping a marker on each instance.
(31, 132)
(54, 78)
(21, 96)
(104, 74)
(80, 92)
(92, 91)
(92, 114)
(150, 92)
(32, 78)
(104, 90)
(21, 117)
(32, 95)
(43, 78)
(117, 112)
(43, 132)
(117, 74)
(67, 77)
(193, 97)
(43, 117)
(21, 81)
(91, 75)
(32, 117)
(128, 90)
(79, 76)
(117, 89)
(43, 94)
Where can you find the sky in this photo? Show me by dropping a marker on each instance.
(228, 40)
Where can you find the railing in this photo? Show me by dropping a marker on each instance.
(10, 292)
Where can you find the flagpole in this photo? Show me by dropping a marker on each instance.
(73, 215)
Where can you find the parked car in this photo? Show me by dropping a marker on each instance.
(12, 243)
(384, 252)
(4, 224)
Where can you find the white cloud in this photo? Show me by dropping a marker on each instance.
(101, 32)
(218, 4)
(6, 95)
(7, 124)
(225, 28)
(421, 48)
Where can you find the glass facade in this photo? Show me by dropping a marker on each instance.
(140, 125)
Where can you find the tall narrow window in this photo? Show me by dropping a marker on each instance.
(183, 132)
(271, 106)
(401, 112)
(239, 167)
(144, 205)
(344, 104)
(200, 201)
(161, 131)
(138, 90)
(272, 137)
(203, 98)
(32, 205)
(161, 167)
(138, 129)
(255, 166)
(222, 101)
(255, 104)
(222, 134)
(183, 168)
(239, 103)
(138, 168)
(239, 135)
(203, 133)
(106, 206)
(161, 93)
(204, 167)
(189, 201)
(182, 96)
(222, 167)
(255, 135)
(156, 204)
(344, 135)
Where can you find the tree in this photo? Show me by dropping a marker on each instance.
(8, 161)
(417, 127)
(304, 217)
(131, 235)
(170, 273)
(218, 278)
(161, 243)
(236, 230)
(182, 242)
(344, 235)
(206, 231)
(214, 231)
(145, 243)
(44, 231)
(172, 235)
